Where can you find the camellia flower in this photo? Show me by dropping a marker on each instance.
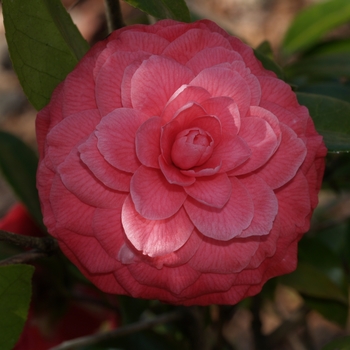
(173, 166)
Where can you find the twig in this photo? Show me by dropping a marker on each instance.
(114, 15)
(126, 330)
(45, 244)
(23, 258)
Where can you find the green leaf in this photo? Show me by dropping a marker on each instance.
(18, 164)
(339, 344)
(330, 65)
(160, 9)
(269, 63)
(312, 23)
(331, 89)
(15, 294)
(332, 119)
(314, 252)
(308, 280)
(44, 45)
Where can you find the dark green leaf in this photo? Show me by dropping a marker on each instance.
(331, 89)
(332, 119)
(339, 344)
(314, 252)
(18, 164)
(330, 65)
(265, 48)
(311, 24)
(331, 310)
(15, 294)
(163, 8)
(308, 280)
(269, 64)
(44, 45)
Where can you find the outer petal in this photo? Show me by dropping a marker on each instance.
(148, 142)
(116, 138)
(153, 196)
(155, 237)
(150, 90)
(224, 82)
(213, 191)
(261, 140)
(225, 223)
(65, 135)
(108, 91)
(107, 174)
(210, 57)
(182, 49)
(284, 164)
(265, 206)
(80, 181)
(171, 279)
(108, 228)
(294, 201)
(224, 257)
(69, 211)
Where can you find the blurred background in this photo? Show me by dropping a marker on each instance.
(281, 313)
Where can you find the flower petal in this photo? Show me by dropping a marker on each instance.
(107, 90)
(225, 82)
(261, 140)
(215, 256)
(69, 211)
(210, 57)
(116, 138)
(182, 96)
(69, 132)
(150, 90)
(174, 175)
(225, 223)
(265, 206)
(155, 237)
(213, 191)
(284, 164)
(148, 142)
(111, 177)
(153, 196)
(294, 201)
(79, 180)
(182, 48)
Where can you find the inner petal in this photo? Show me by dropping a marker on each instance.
(192, 147)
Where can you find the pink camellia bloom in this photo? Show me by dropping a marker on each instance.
(173, 166)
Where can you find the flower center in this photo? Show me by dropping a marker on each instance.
(192, 147)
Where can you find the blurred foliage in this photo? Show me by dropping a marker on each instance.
(45, 46)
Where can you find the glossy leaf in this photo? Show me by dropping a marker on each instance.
(331, 89)
(315, 21)
(339, 344)
(308, 280)
(314, 252)
(330, 65)
(269, 63)
(18, 164)
(44, 45)
(332, 119)
(15, 294)
(163, 8)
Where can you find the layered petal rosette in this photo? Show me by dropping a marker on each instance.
(173, 166)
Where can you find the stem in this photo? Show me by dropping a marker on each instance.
(114, 15)
(126, 330)
(44, 244)
(24, 258)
